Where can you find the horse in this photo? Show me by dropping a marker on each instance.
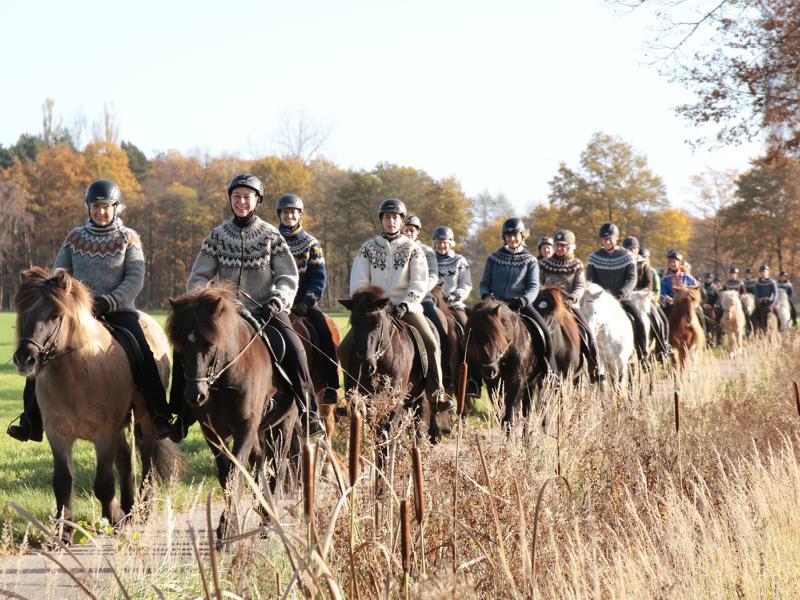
(500, 345)
(783, 309)
(686, 334)
(451, 345)
(563, 326)
(229, 384)
(643, 301)
(749, 307)
(310, 339)
(733, 319)
(382, 347)
(764, 319)
(85, 389)
(612, 330)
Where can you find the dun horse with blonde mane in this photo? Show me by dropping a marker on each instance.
(686, 334)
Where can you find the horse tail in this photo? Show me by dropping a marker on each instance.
(167, 459)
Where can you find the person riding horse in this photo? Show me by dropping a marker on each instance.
(733, 282)
(411, 228)
(545, 247)
(397, 264)
(786, 285)
(312, 277)
(749, 281)
(252, 255)
(766, 289)
(645, 276)
(614, 269)
(674, 276)
(564, 271)
(511, 274)
(712, 309)
(107, 257)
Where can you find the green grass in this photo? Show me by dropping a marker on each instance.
(26, 468)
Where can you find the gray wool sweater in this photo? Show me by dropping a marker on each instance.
(254, 258)
(108, 260)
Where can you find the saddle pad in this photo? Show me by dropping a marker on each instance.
(131, 347)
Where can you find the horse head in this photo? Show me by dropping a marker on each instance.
(53, 314)
(200, 327)
(371, 325)
(489, 337)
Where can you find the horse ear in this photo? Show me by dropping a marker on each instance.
(62, 280)
(348, 304)
(171, 302)
(381, 303)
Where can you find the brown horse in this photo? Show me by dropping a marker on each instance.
(686, 334)
(452, 346)
(316, 358)
(564, 333)
(764, 318)
(382, 347)
(500, 348)
(85, 388)
(229, 384)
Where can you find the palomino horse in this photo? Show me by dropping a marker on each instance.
(382, 348)
(783, 309)
(316, 363)
(686, 334)
(612, 329)
(500, 345)
(749, 307)
(564, 333)
(229, 384)
(732, 320)
(85, 388)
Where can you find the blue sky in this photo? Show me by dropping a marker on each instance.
(496, 94)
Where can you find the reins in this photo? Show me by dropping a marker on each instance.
(48, 351)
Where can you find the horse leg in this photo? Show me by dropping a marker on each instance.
(104, 487)
(63, 471)
(125, 472)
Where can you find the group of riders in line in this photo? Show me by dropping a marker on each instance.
(277, 271)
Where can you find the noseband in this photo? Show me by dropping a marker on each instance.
(48, 350)
(495, 362)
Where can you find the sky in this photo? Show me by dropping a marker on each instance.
(495, 94)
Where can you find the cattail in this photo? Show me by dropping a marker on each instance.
(797, 396)
(355, 446)
(405, 537)
(677, 397)
(308, 482)
(463, 373)
(419, 485)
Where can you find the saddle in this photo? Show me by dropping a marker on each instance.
(273, 339)
(131, 347)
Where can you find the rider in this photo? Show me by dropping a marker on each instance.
(733, 282)
(644, 281)
(545, 247)
(453, 272)
(765, 289)
(397, 264)
(107, 257)
(310, 261)
(749, 281)
(564, 271)
(656, 280)
(614, 269)
(674, 276)
(252, 254)
(785, 284)
(511, 274)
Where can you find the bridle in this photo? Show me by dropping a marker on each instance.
(496, 362)
(48, 350)
(383, 348)
(213, 374)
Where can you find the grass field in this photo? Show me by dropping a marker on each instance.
(26, 468)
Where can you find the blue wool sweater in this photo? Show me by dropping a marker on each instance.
(510, 275)
(108, 260)
(766, 288)
(310, 261)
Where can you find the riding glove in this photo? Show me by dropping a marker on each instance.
(451, 298)
(101, 306)
(270, 309)
(400, 310)
(517, 303)
(300, 309)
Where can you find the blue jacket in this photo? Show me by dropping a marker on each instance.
(671, 280)
(310, 262)
(510, 275)
(766, 288)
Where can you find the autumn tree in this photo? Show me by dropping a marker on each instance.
(711, 243)
(15, 225)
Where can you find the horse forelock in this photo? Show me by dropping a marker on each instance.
(207, 315)
(366, 298)
(488, 324)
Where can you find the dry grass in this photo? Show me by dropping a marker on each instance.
(630, 509)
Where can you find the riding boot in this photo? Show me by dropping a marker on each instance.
(146, 374)
(543, 341)
(588, 345)
(663, 349)
(639, 329)
(29, 427)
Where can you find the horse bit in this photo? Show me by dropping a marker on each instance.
(48, 349)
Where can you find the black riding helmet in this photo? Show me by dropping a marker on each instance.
(103, 191)
(644, 252)
(513, 225)
(674, 254)
(630, 242)
(544, 241)
(733, 271)
(393, 205)
(288, 201)
(608, 229)
(414, 221)
(443, 232)
(247, 180)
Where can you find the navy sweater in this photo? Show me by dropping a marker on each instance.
(510, 275)
(310, 262)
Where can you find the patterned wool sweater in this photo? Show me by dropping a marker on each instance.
(614, 271)
(766, 289)
(453, 271)
(734, 285)
(255, 258)
(109, 260)
(510, 275)
(310, 262)
(564, 273)
(395, 263)
(433, 267)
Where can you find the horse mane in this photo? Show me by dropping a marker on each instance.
(728, 300)
(208, 313)
(686, 301)
(438, 298)
(562, 314)
(484, 316)
(69, 297)
(366, 298)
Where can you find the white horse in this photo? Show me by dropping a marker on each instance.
(732, 320)
(748, 304)
(611, 329)
(783, 309)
